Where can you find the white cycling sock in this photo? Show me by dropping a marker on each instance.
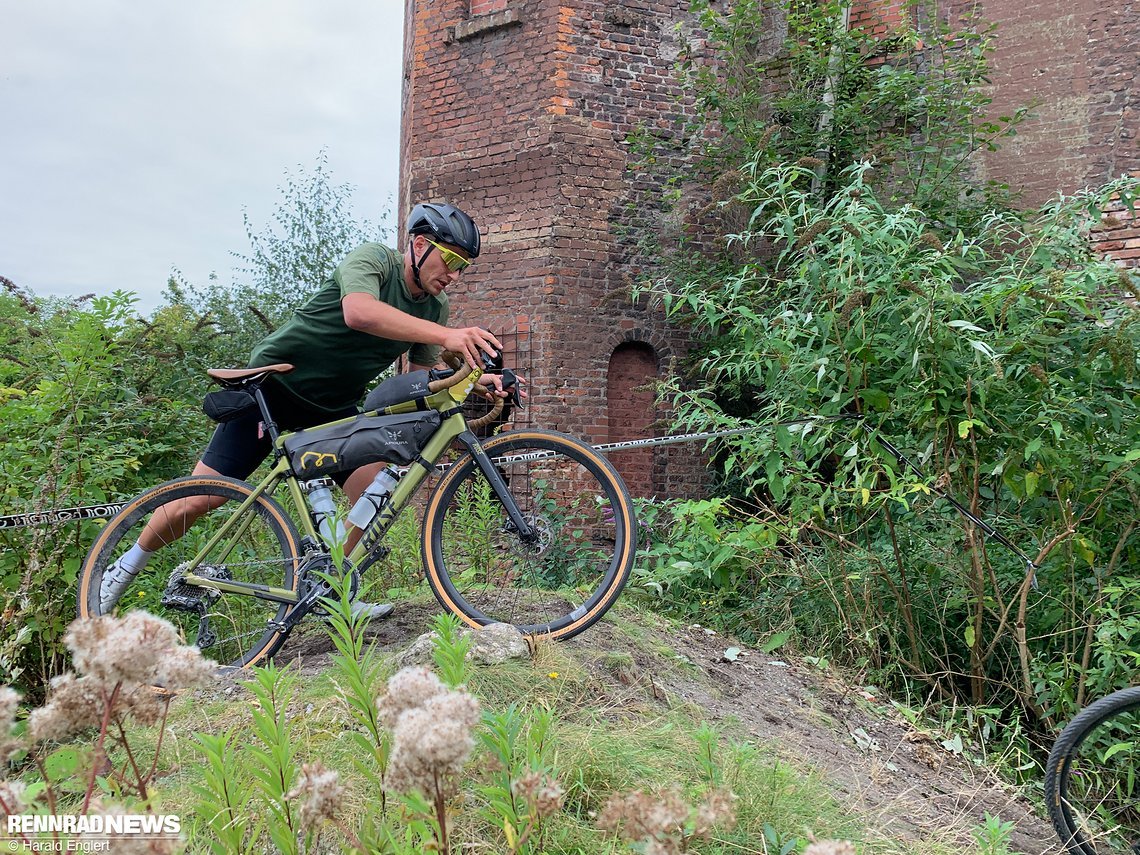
(135, 559)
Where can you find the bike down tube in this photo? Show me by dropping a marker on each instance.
(448, 431)
(262, 592)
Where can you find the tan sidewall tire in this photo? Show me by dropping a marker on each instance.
(460, 469)
(142, 505)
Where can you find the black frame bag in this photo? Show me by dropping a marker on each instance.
(341, 448)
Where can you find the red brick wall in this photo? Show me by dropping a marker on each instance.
(879, 17)
(520, 116)
(1118, 236)
(630, 404)
(1076, 59)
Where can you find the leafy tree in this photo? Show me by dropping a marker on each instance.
(313, 229)
(98, 404)
(831, 94)
(94, 408)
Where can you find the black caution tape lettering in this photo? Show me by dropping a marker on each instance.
(61, 515)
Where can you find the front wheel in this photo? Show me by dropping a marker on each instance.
(259, 546)
(568, 574)
(1091, 785)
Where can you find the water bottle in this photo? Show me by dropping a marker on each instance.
(372, 499)
(324, 510)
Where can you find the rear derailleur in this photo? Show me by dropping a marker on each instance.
(196, 599)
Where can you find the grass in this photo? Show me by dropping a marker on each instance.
(614, 730)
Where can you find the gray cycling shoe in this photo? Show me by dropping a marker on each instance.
(115, 581)
(374, 611)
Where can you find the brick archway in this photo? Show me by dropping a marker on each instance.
(631, 411)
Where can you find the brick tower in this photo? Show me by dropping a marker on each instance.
(518, 112)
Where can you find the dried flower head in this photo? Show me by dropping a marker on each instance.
(431, 743)
(408, 689)
(319, 791)
(857, 299)
(183, 667)
(830, 847)
(932, 241)
(9, 703)
(73, 704)
(1129, 283)
(12, 798)
(641, 816)
(666, 822)
(718, 810)
(542, 794)
(135, 648)
(812, 232)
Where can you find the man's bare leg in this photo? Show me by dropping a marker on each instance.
(173, 520)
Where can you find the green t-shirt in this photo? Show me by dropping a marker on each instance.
(335, 365)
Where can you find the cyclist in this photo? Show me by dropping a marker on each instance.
(378, 305)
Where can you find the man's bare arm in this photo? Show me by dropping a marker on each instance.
(365, 313)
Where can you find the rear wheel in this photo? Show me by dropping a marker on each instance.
(569, 574)
(260, 547)
(1091, 784)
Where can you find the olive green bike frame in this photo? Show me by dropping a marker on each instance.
(452, 428)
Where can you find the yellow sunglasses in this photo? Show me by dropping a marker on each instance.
(454, 261)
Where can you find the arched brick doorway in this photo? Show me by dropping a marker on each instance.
(631, 412)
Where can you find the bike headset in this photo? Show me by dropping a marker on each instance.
(447, 224)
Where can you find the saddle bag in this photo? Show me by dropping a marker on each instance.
(368, 439)
(225, 405)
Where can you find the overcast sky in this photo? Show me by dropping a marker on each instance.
(134, 132)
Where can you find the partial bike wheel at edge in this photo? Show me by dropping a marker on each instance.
(563, 581)
(1091, 785)
(262, 548)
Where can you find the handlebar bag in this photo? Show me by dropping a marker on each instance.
(400, 389)
(366, 439)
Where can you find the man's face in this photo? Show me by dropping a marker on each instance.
(435, 275)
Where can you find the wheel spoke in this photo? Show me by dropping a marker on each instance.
(578, 554)
(260, 550)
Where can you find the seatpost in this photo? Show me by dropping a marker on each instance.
(266, 418)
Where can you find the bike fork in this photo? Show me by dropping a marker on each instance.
(487, 467)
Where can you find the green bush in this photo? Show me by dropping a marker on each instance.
(849, 264)
(95, 405)
(1005, 362)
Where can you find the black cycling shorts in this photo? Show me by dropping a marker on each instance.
(238, 446)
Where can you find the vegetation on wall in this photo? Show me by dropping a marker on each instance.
(860, 270)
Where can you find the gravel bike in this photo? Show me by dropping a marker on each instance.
(530, 527)
(1091, 785)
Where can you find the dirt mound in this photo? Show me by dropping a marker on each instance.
(902, 780)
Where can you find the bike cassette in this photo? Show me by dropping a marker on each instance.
(195, 599)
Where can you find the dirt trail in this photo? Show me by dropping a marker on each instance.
(900, 779)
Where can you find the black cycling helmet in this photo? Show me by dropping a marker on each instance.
(445, 223)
